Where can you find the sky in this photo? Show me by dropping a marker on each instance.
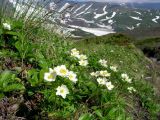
(121, 1)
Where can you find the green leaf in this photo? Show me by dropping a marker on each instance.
(5, 78)
(1, 95)
(14, 87)
(98, 113)
(33, 77)
(85, 116)
(14, 34)
(42, 61)
(112, 112)
(18, 46)
(1, 32)
(121, 117)
(92, 86)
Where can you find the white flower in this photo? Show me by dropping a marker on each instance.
(83, 62)
(126, 78)
(62, 91)
(82, 57)
(50, 76)
(109, 85)
(51, 70)
(74, 50)
(61, 70)
(131, 89)
(103, 62)
(6, 26)
(72, 76)
(101, 81)
(75, 53)
(105, 73)
(95, 74)
(113, 68)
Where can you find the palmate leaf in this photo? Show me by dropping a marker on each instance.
(5, 78)
(33, 77)
(14, 87)
(8, 82)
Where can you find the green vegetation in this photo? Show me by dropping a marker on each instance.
(44, 76)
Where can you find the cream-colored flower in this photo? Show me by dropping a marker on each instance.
(101, 81)
(62, 91)
(131, 89)
(6, 26)
(72, 76)
(109, 85)
(95, 74)
(82, 57)
(83, 62)
(105, 73)
(103, 62)
(113, 68)
(75, 53)
(74, 50)
(50, 76)
(126, 78)
(61, 70)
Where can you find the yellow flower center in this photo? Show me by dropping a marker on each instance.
(62, 91)
(50, 76)
(71, 77)
(63, 71)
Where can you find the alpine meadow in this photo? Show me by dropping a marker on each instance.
(79, 60)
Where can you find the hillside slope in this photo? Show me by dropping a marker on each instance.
(44, 76)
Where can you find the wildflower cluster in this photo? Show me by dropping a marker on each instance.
(103, 62)
(103, 75)
(113, 68)
(63, 72)
(131, 89)
(81, 57)
(126, 78)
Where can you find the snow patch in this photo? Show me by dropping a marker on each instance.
(155, 19)
(95, 31)
(138, 24)
(66, 5)
(130, 28)
(138, 12)
(85, 10)
(100, 15)
(85, 20)
(107, 18)
(136, 18)
(79, 8)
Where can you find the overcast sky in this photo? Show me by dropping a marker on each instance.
(121, 1)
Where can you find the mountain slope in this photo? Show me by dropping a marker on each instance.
(96, 18)
(108, 17)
